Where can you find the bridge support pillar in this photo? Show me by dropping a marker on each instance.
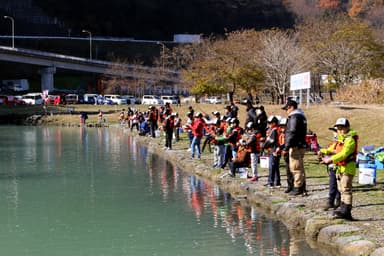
(47, 78)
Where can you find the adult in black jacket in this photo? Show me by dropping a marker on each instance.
(295, 144)
(251, 115)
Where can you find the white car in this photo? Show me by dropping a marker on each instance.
(214, 100)
(131, 99)
(170, 99)
(34, 98)
(116, 99)
(152, 100)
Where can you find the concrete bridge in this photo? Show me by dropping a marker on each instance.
(49, 62)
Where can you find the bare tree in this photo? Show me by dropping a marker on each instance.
(280, 57)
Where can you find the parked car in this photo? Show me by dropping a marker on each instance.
(131, 99)
(53, 99)
(7, 99)
(188, 100)
(33, 98)
(19, 100)
(171, 99)
(152, 100)
(116, 99)
(215, 100)
(89, 98)
(71, 98)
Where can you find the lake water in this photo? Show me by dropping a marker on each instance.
(89, 191)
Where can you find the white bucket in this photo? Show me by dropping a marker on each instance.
(243, 172)
(367, 174)
(264, 162)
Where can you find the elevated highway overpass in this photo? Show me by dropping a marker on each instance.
(49, 62)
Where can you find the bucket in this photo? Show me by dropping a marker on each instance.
(243, 172)
(264, 162)
(367, 174)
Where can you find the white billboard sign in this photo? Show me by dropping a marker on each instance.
(300, 81)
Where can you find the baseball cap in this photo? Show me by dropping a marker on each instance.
(249, 125)
(342, 122)
(273, 119)
(283, 121)
(332, 129)
(289, 104)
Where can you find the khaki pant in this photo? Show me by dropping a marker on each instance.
(344, 184)
(296, 165)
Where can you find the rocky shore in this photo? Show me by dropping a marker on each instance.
(302, 214)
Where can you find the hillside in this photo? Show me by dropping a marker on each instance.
(161, 19)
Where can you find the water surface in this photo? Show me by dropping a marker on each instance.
(88, 191)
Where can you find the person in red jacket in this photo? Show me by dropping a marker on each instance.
(197, 130)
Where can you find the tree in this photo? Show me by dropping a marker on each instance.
(343, 48)
(280, 57)
(225, 66)
(123, 77)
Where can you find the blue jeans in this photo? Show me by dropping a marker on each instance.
(190, 137)
(196, 145)
(274, 171)
(333, 191)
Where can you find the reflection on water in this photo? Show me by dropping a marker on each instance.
(79, 191)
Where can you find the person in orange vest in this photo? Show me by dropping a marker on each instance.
(253, 145)
(344, 160)
(177, 126)
(282, 126)
(152, 118)
(219, 141)
(271, 145)
(234, 136)
(242, 159)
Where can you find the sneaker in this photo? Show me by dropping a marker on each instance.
(254, 179)
(278, 186)
(189, 150)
